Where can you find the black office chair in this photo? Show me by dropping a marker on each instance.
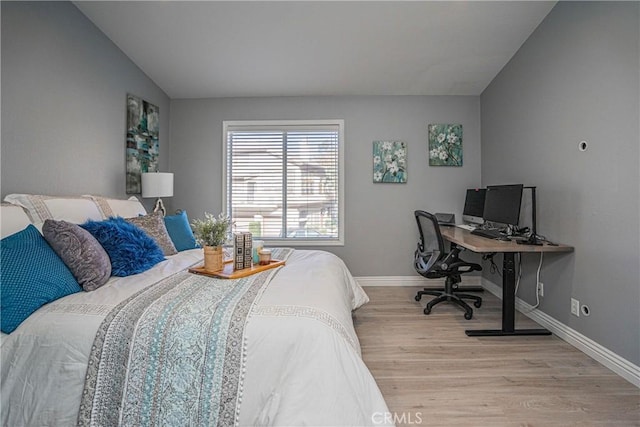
(433, 262)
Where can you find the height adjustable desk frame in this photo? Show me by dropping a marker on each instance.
(464, 238)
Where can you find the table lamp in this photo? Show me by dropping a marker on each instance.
(157, 184)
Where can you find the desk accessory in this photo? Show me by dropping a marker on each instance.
(446, 218)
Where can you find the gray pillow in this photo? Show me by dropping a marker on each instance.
(80, 251)
(153, 225)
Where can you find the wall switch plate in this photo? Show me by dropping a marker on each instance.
(575, 307)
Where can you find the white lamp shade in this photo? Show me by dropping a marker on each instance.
(157, 184)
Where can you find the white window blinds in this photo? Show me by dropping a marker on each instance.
(283, 180)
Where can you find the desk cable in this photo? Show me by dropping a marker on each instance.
(537, 279)
(519, 272)
(494, 267)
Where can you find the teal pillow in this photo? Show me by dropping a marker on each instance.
(180, 231)
(32, 275)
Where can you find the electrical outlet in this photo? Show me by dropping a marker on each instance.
(541, 289)
(575, 307)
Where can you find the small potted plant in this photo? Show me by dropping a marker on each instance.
(211, 233)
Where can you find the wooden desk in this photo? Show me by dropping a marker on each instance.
(464, 238)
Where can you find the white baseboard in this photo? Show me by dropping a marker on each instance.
(396, 281)
(611, 360)
(411, 281)
(617, 364)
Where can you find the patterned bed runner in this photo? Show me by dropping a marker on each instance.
(173, 353)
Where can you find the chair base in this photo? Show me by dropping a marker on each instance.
(459, 289)
(451, 294)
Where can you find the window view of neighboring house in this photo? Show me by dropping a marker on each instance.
(283, 179)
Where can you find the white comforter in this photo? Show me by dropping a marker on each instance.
(303, 365)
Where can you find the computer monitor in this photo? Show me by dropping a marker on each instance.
(474, 206)
(502, 203)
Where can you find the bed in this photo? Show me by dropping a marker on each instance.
(289, 354)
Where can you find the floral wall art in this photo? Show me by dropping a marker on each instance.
(445, 145)
(389, 161)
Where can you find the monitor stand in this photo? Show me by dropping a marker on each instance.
(533, 238)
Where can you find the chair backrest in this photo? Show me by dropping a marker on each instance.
(431, 245)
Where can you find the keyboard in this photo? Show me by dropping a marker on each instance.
(489, 234)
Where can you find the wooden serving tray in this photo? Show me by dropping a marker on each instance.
(228, 272)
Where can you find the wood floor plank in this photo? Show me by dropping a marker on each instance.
(432, 374)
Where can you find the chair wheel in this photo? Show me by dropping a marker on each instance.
(427, 310)
(468, 315)
(477, 304)
(418, 297)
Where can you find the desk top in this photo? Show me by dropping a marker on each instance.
(475, 243)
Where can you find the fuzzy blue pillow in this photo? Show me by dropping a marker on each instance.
(130, 249)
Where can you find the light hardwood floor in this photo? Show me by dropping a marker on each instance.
(431, 373)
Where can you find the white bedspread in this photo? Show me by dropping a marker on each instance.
(303, 365)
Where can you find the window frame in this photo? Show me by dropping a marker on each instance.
(265, 125)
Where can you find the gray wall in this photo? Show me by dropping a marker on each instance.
(380, 230)
(577, 78)
(64, 87)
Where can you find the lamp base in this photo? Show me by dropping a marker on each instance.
(160, 207)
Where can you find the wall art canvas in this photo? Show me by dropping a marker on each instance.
(445, 145)
(143, 129)
(389, 161)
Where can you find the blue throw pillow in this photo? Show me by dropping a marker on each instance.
(32, 275)
(180, 231)
(130, 249)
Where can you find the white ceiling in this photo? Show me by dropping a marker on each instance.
(232, 49)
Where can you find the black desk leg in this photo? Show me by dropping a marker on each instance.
(508, 305)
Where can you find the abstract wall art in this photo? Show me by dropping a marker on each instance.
(143, 129)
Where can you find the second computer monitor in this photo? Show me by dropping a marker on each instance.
(474, 206)
(502, 203)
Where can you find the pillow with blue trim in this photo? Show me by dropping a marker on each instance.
(130, 249)
(32, 276)
(180, 231)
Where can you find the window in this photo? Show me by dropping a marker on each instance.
(284, 180)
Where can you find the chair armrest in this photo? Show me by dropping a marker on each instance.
(459, 264)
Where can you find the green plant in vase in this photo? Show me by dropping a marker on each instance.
(211, 233)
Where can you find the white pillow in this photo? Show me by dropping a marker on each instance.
(72, 209)
(12, 219)
(129, 208)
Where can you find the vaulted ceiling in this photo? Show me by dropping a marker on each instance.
(207, 49)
